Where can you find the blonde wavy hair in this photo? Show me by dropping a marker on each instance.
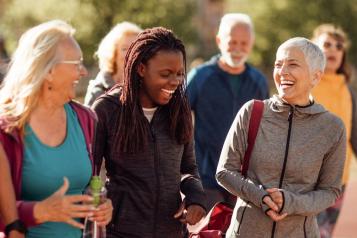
(34, 57)
(106, 52)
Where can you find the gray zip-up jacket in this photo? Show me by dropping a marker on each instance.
(300, 150)
(145, 186)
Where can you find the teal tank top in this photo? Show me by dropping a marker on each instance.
(44, 168)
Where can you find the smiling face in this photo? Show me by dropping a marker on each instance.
(64, 77)
(292, 76)
(333, 50)
(236, 45)
(161, 76)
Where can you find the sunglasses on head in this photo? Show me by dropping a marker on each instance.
(338, 45)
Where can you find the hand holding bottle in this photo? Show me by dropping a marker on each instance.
(64, 208)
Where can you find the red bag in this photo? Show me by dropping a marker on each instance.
(217, 221)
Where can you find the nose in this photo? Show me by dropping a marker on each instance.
(283, 70)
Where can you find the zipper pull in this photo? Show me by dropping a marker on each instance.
(291, 113)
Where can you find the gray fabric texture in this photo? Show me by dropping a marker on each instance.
(313, 172)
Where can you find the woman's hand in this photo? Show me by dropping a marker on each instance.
(277, 196)
(275, 202)
(64, 208)
(191, 215)
(103, 214)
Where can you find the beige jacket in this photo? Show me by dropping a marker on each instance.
(298, 149)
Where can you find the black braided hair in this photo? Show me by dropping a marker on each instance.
(132, 132)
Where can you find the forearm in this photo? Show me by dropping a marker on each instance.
(237, 185)
(310, 203)
(7, 195)
(192, 188)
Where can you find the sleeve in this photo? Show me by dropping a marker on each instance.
(191, 185)
(353, 139)
(328, 187)
(93, 92)
(99, 145)
(26, 215)
(24, 208)
(192, 89)
(229, 173)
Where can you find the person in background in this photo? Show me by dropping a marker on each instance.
(296, 165)
(145, 136)
(4, 58)
(217, 90)
(111, 54)
(14, 227)
(46, 136)
(336, 95)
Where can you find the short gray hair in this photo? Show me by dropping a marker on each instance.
(230, 20)
(314, 57)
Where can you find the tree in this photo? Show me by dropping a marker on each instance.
(277, 20)
(93, 19)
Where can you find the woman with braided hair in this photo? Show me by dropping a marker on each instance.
(144, 133)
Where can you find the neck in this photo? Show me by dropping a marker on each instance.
(48, 107)
(232, 70)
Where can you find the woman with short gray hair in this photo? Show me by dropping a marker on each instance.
(297, 161)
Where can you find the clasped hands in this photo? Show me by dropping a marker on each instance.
(274, 201)
(65, 208)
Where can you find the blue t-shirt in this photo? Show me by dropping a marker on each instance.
(44, 168)
(216, 97)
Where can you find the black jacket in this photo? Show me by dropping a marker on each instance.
(145, 186)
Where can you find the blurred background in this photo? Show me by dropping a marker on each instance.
(194, 21)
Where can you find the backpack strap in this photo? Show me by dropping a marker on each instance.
(254, 122)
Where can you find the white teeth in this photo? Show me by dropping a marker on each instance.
(168, 91)
(287, 82)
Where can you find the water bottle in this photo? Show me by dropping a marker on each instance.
(99, 194)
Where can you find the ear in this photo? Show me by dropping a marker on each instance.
(316, 77)
(141, 69)
(49, 76)
(218, 41)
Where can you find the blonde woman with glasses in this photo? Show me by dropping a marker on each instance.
(46, 136)
(111, 54)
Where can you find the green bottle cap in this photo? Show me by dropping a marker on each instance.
(96, 184)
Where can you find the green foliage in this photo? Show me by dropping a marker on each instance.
(277, 20)
(93, 18)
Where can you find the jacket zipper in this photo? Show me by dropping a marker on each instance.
(290, 119)
(241, 219)
(156, 166)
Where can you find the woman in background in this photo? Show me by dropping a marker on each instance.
(336, 95)
(111, 54)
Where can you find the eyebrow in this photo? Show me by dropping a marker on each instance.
(289, 60)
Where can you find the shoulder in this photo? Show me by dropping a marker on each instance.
(333, 121)
(255, 74)
(108, 103)
(82, 110)
(204, 71)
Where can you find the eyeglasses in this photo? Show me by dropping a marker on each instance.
(79, 63)
(339, 46)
